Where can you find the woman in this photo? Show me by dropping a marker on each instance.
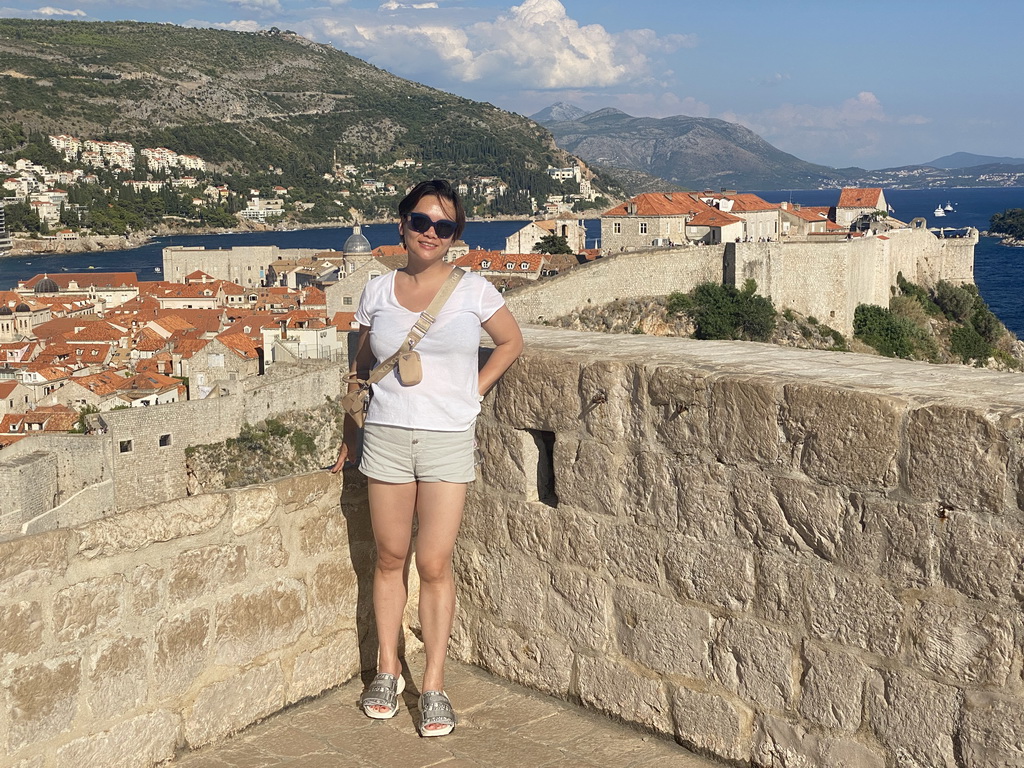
(418, 440)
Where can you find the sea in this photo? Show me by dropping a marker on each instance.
(998, 269)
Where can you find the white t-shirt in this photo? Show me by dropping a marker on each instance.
(446, 399)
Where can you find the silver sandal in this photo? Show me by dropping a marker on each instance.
(436, 709)
(382, 692)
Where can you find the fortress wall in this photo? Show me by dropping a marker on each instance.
(245, 264)
(291, 389)
(625, 275)
(170, 626)
(775, 556)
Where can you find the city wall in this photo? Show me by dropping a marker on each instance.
(126, 639)
(826, 280)
(779, 557)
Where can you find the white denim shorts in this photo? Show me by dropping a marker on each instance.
(403, 455)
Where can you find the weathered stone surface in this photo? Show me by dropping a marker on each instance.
(538, 661)
(227, 706)
(318, 669)
(529, 527)
(205, 571)
(509, 458)
(780, 594)
(957, 457)
(606, 398)
(910, 549)
(962, 644)
(982, 557)
(21, 629)
(781, 744)
(664, 636)
(993, 730)
(520, 588)
(146, 590)
(138, 743)
(651, 491)
(260, 621)
(487, 524)
(679, 410)
(33, 561)
(268, 550)
(547, 394)
(634, 553)
(251, 508)
(711, 572)
(755, 662)
(39, 761)
(832, 688)
(850, 753)
(131, 531)
(710, 723)
(914, 719)
(745, 420)
(324, 534)
(577, 538)
(475, 585)
(87, 607)
(706, 505)
(621, 692)
(844, 437)
(300, 491)
(182, 649)
(42, 700)
(855, 611)
(577, 607)
(333, 592)
(118, 680)
(577, 463)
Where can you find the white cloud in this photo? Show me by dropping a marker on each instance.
(50, 11)
(238, 25)
(531, 45)
(263, 6)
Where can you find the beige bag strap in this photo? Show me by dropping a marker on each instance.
(419, 329)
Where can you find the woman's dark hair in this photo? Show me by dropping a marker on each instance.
(438, 188)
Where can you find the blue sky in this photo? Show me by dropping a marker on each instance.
(865, 83)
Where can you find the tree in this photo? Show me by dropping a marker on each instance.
(726, 312)
(551, 244)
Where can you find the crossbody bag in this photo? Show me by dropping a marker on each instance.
(410, 370)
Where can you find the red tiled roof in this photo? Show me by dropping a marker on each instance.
(659, 204)
(88, 279)
(712, 217)
(239, 343)
(852, 197)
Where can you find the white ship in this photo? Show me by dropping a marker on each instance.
(939, 211)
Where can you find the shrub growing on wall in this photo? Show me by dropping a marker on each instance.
(725, 312)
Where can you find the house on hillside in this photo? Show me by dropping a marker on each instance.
(526, 239)
(855, 204)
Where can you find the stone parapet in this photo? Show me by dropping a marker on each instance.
(128, 638)
(778, 557)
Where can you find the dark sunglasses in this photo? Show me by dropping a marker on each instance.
(420, 222)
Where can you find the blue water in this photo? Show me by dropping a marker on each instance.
(998, 269)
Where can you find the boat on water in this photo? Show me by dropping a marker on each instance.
(156, 269)
(948, 207)
(939, 211)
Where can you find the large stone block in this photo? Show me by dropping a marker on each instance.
(42, 700)
(131, 531)
(619, 690)
(266, 550)
(651, 490)
(324, 534)
(855, 611)
(578, 538)
(706, 504)
(298, 491)
(781, 744)
(981, 556)
(333, 594)
(843, 437)
(251, 508)
(540, 661)
(137, 743)
(711, 572)
(712, 724)
(662, 635)
(227, 706)
(910, 547)
(914, 719)
(509, 458)
(21, 629)
(756, 663)
(485, 522)
(330, 665)
(609, 412)
(956, 457)
(962, 645)
(475, 585)
(266, 619)
(147, 590)
(992, 734)
(205, 571)
(832, 688)
(118, 679)
(679, 410)
(530, 525)
(577, 607)
(182, 649)
(547, 394)
(634, 553)
(87, 607)
(520, 590)
(780, 594)
(578, 463)
(745, 420)
(33, 561)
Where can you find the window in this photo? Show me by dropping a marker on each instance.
(347, 301)
(524, 265)
(485, 264)
(643, 227)
(165, 440)
(125, 446)
(510, 265)
(617, 227)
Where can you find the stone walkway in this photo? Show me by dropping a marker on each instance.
(500, 725)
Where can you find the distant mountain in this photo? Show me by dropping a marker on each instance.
(968, 160)
(694, 152)
(559, 112)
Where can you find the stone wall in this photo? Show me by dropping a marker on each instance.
(775, 556)
(170, 626)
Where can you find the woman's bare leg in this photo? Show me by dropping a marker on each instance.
(439, 507)
(391, 513)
